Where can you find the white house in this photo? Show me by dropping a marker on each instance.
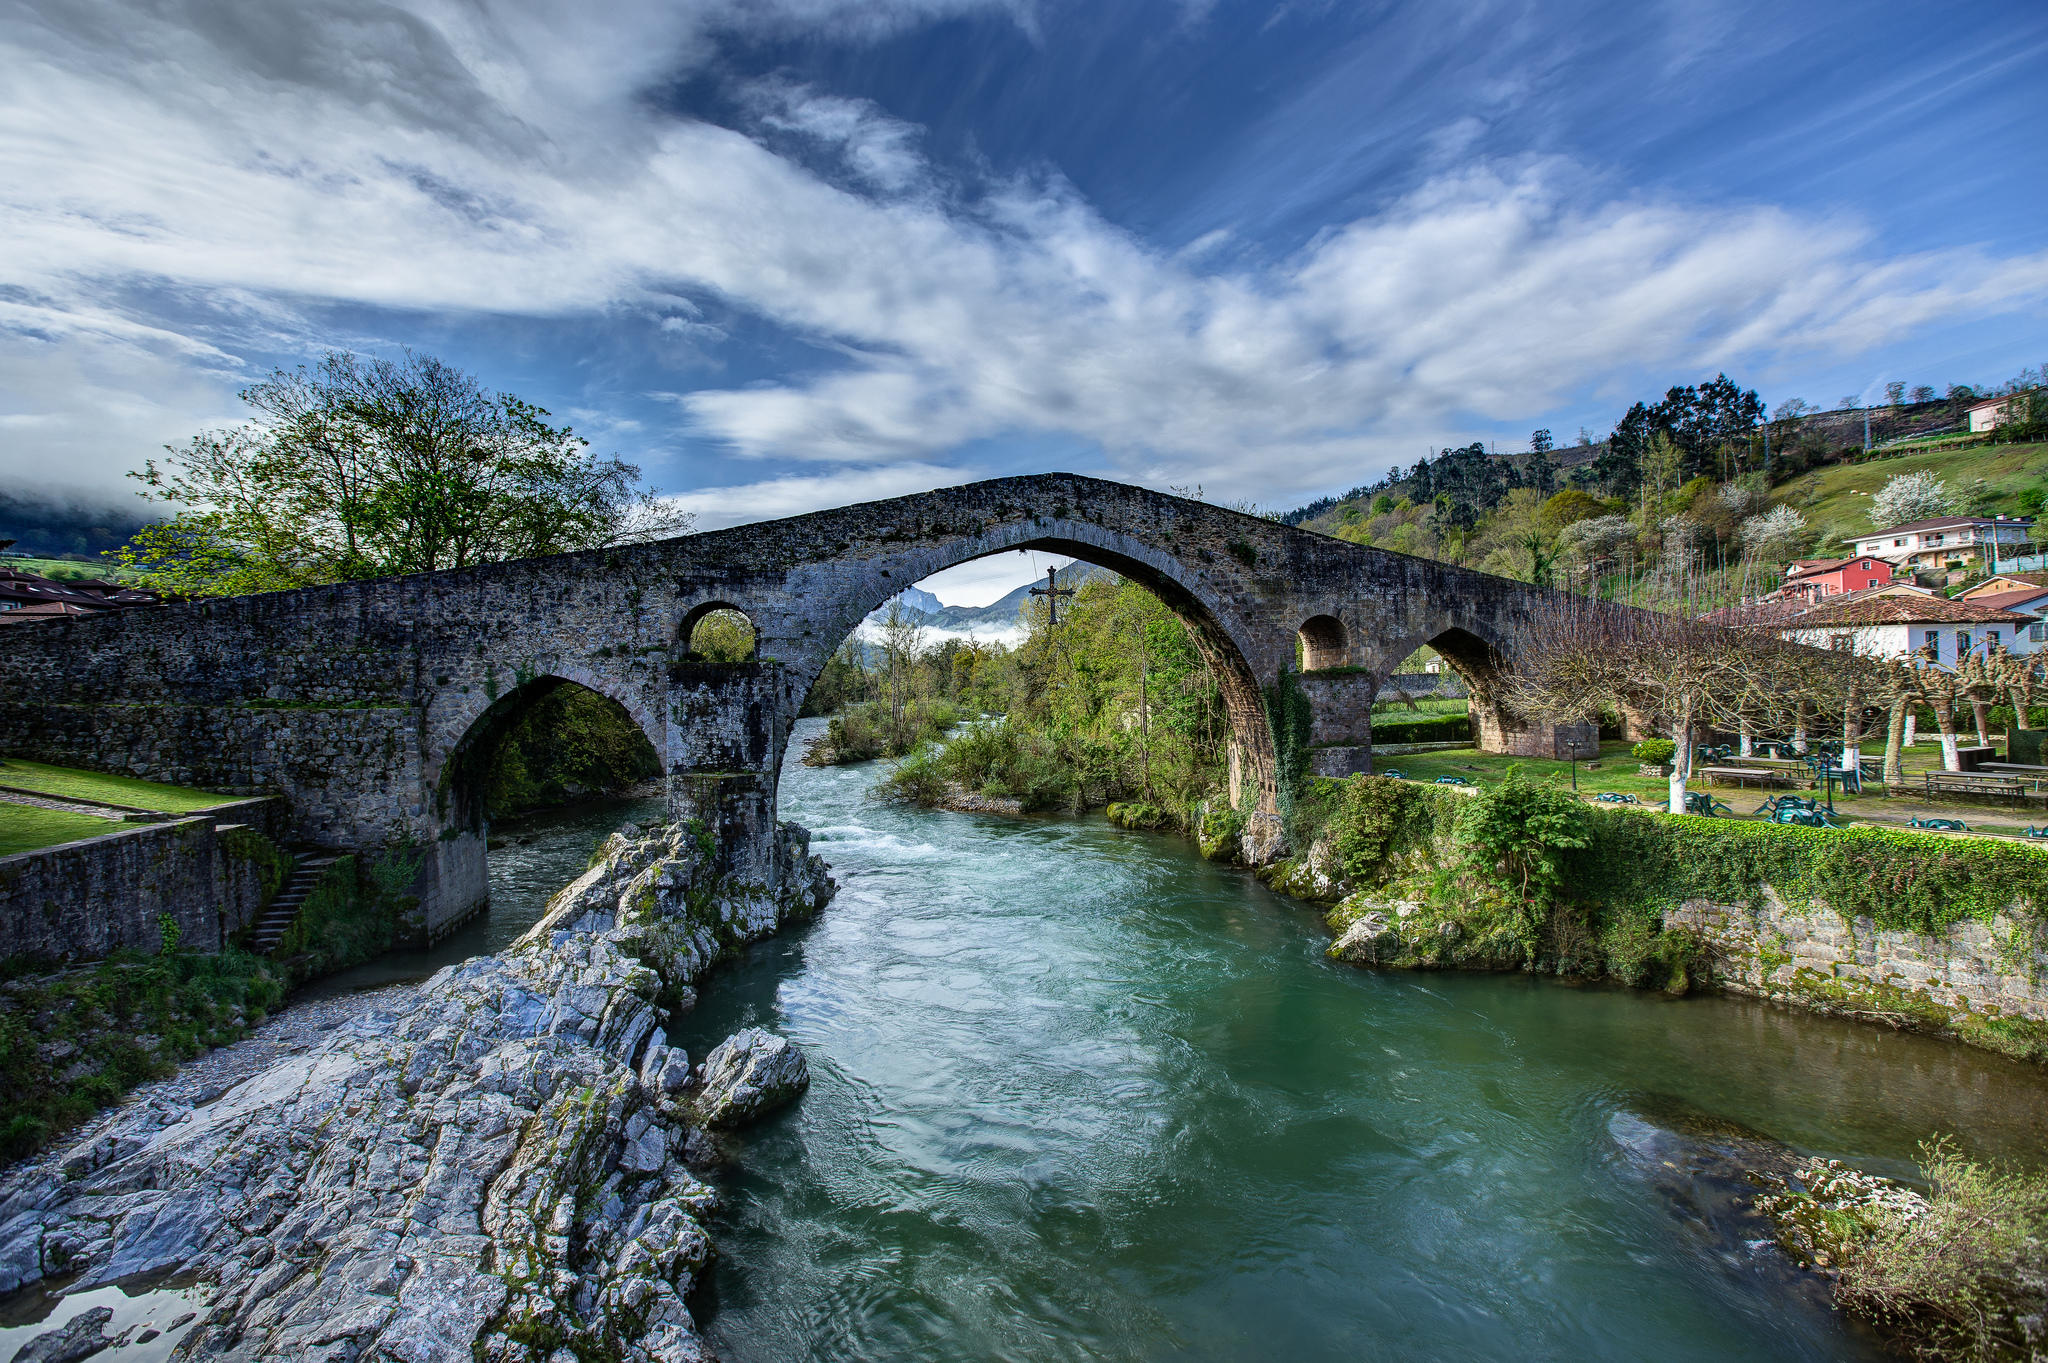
(1997, 411)
(1948, 542)
(1890, 626)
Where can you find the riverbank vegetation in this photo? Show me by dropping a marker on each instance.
(571, 744)
(1959, 1272)
(1522, 875)
(1110, 702)
(73, 1041)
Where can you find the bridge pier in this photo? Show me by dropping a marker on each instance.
(727, 726)
(1340, 723)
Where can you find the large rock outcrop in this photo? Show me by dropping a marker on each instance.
(489, 1170)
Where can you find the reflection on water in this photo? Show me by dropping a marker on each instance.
(1079, 1094)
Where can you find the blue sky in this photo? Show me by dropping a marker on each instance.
(791, 253)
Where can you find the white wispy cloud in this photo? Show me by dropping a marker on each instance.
(792, 494)
(502, 159)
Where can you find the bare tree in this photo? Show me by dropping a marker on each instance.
(1575, 654)
(902, 645)
(2024, 677)
(1945, 691)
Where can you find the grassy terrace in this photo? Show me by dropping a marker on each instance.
(24, 828)
(66, 783)
(1615, 770)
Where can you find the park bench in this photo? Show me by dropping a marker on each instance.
(1945, 825)
(1940, 783)
(2032, 832)
(1763, 776)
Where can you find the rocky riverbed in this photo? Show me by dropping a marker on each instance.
(494, 1164)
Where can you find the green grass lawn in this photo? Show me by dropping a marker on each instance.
(117, 790)
(1836, 500)
(24, 828)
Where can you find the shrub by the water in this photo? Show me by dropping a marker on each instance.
(73, 1041)
(1967, 1278)
(865, 730)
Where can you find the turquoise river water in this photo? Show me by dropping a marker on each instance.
(1078, 1094)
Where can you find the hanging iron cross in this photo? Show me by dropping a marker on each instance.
(1052, 591)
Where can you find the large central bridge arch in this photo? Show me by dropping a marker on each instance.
(357, 701)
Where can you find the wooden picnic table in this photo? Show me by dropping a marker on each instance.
(2022, 771)
(1973, 783)
(1770, 776)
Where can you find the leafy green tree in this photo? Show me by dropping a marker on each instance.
(362, 468)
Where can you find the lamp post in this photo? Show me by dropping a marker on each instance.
(1572, 751)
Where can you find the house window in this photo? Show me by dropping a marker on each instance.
(1962, 642)
(1990, 639)
(1932, 644)
(1866, 565)
(1898, 544)
(2037, 633)
(1839, 642)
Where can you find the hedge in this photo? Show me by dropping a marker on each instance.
(1427, 729)
(1902, 881)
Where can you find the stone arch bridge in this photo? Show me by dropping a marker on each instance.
(367, 704)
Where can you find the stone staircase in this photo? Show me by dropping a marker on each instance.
(283, 909)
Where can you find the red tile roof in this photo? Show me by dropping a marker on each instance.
(1906, 610)
(2009, 601)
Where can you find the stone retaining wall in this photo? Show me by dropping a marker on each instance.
(1975, 973)
(82, 900)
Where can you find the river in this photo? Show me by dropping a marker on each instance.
(1079, 1094)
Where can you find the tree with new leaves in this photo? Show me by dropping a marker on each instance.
(1774, 535)
(361, 468)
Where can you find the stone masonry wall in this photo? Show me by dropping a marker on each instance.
(1817, 960)
(361, 702)
(84, 899)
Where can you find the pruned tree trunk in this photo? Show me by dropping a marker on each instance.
(1894, 740)
(2018, 696)
(1980, 711)
(1681, 757)
(1912, 725)
(1945, 716)
(1745, 738)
